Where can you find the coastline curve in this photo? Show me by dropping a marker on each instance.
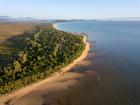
(17, 94)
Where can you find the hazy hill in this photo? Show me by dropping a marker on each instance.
(28, 20)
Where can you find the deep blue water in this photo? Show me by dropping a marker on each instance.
(116, 45)
(120, 39)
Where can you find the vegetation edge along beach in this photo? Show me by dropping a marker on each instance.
(80, 55)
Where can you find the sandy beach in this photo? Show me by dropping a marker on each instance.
(36, 91)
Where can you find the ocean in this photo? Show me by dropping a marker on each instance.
(114, 57)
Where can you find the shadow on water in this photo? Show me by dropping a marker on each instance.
(81, 93)
(68, 89)
(106, 77)
(98, 85)
(78, 94)
(115, 59)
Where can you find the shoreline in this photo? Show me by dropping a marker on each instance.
(54, 26)
(25, 90)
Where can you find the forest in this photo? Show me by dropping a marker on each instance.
(45, 50)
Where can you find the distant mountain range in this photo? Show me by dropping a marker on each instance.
(28, 19)
(10, 19)
(3, 18)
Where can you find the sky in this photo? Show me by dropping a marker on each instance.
(70, 9)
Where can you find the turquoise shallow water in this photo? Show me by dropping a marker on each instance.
(115, 56)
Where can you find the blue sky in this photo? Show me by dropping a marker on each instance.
(70, 9)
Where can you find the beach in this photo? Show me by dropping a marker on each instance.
(114, 57)
(47, 85)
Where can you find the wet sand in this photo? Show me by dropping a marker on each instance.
(34, 94)
(112, 65)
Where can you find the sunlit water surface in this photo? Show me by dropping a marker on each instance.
(114, 58)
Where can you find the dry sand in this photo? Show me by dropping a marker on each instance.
(32, 95)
